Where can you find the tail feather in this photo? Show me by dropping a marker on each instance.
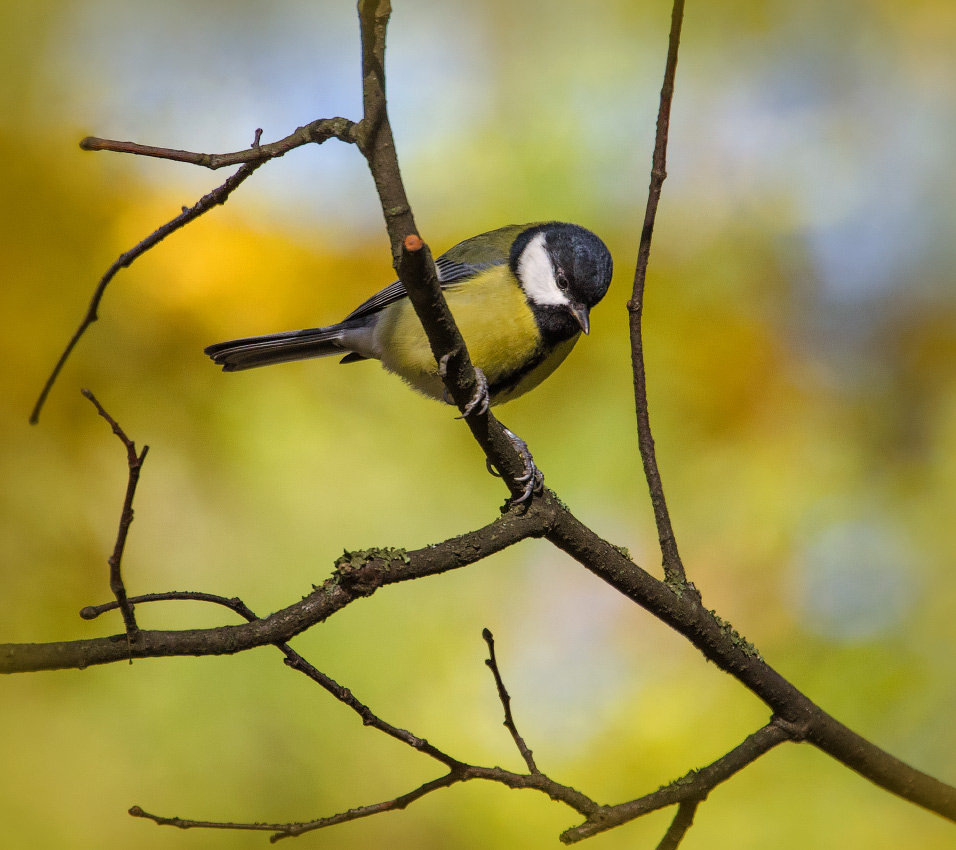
(253, 351)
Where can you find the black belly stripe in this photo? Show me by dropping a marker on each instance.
(510, 380)
(555, 325)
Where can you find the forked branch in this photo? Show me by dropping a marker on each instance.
(134, 462)
(317, 132)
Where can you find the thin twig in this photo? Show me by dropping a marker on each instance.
(291, 830)
(673, 566)
(206, 203)
(692, 788)
(505, 698)
(296, 662)
(317, 132)
(683, 821)
(91, 612)
(369, 718)
(458, 771)
(135, 463)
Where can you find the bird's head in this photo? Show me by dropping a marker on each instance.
(564, 271)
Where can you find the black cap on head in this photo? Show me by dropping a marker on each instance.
(564, 270)
(576, 252)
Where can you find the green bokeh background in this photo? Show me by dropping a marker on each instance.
(801, 336)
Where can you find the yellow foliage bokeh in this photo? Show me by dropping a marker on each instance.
(801, 352)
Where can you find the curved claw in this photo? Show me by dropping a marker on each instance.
(481, 400)
(533, 478)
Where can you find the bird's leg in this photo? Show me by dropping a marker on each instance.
(533, 478)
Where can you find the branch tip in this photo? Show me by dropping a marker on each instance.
(413, 243)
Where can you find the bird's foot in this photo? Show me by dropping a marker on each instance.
(480, 400)
(532, 478)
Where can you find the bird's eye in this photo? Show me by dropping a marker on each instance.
(562, 281)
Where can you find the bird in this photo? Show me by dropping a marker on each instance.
(521, 296)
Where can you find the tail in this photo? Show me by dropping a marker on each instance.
(253, 351)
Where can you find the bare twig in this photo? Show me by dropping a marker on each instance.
(91, 612)
(317, 132)
(673, 566)
(688, 791)
(135, 463)
(465, 773)
(206, 203)
(458, 770)
(295, 661)
(505, 698)
(682, 822)
(291, 830)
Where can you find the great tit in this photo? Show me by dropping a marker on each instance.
(521, 296)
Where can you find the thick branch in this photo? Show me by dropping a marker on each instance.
(673, 567)
(720, 643)
(355, 578)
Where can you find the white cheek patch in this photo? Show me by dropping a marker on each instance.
(537, 274)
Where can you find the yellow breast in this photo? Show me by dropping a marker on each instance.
(497, 325)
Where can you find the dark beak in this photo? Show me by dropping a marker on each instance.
(580, 313)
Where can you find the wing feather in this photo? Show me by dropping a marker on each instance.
(449, 274)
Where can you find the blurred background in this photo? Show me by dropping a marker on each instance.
(801, 336)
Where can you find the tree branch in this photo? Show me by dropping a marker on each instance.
(722, 644)
(683, 821)
(673, 566)
(135, 463)
(411, 257)
(505, 699)
(688, 791)
(357, 575)
(315, 132)
(318, 132)
(458, 770)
